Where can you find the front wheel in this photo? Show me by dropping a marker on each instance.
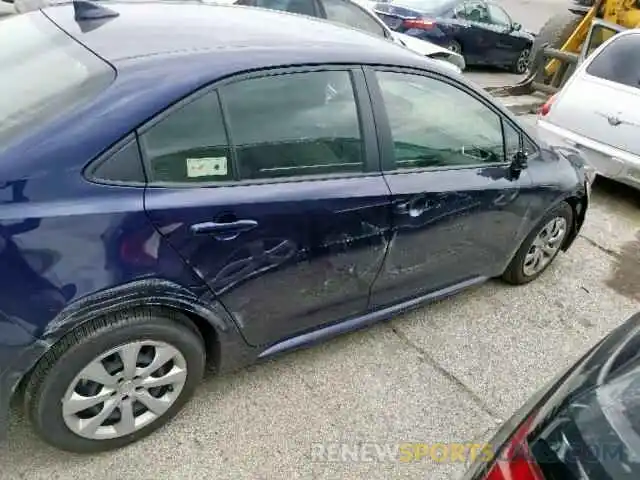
(541, 246)
(115, 380)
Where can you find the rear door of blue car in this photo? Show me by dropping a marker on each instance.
(278, 204)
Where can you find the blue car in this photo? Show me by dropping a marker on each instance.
(215, 185)
(482, 32)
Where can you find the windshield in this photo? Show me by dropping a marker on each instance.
(44, 72)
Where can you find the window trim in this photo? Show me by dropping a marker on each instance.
(371, 157)
(89, 170)
(383, 127)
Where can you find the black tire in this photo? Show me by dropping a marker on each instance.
(455, 47)
(514, 274)
(520, 67)
(554, 33)
(54, 373)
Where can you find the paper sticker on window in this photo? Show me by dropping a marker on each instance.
(207, 167)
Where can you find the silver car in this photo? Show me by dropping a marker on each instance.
(597, 112)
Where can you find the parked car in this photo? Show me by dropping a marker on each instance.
(199, 197)
(597, 112)
(583, 426)
(482, 32)
(359, 15)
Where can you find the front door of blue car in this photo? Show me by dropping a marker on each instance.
(278, 204)
(457, 206)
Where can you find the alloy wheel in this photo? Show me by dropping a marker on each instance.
(545, 246)
(124, 390)
(455, 47)
(523, 61)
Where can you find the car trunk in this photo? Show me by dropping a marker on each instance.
(600, 110)
(394, 15)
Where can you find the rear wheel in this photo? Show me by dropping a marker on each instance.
(554, 33)
(115, 380)
(541, 246)
(455, 47)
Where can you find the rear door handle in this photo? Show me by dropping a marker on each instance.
(223, 230)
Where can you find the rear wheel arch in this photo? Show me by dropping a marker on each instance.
(209, 320)
(88, 341)
(199, 324)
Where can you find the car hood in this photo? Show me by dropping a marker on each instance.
(428, 49)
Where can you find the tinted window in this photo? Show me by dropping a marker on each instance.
(435, 124)
(346, 13)
(619, 62)
(123, 164)
(294, 124)
(597, 434)
(30, 94)
(189, 145)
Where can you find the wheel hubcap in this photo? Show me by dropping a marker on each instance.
(545, 246)
(124, 390)
(523, 61)
(454, 47)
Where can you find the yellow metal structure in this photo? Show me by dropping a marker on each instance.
(621, 12)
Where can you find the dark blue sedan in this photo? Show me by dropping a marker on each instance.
(482, 32)
(206, 184)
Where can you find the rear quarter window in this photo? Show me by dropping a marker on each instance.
(619, 62)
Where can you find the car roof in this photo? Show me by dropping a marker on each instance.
(164, 51)
(146, 29)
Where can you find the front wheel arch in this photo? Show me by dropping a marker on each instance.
(579, 206)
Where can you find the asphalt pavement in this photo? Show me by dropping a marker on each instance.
(448, 372)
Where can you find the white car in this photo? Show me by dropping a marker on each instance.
(597, 112)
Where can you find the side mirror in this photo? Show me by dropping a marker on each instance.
(518, 163)
(516, 26)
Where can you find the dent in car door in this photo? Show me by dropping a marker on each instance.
(456, 208)
(282, 256)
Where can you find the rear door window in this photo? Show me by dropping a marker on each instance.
(189, 145)
(619, 62)
(294, 124)
(276, 126)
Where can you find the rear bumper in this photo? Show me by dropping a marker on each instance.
(608, 161)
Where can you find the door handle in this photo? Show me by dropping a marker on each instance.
(223, 230)
(413, 208)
